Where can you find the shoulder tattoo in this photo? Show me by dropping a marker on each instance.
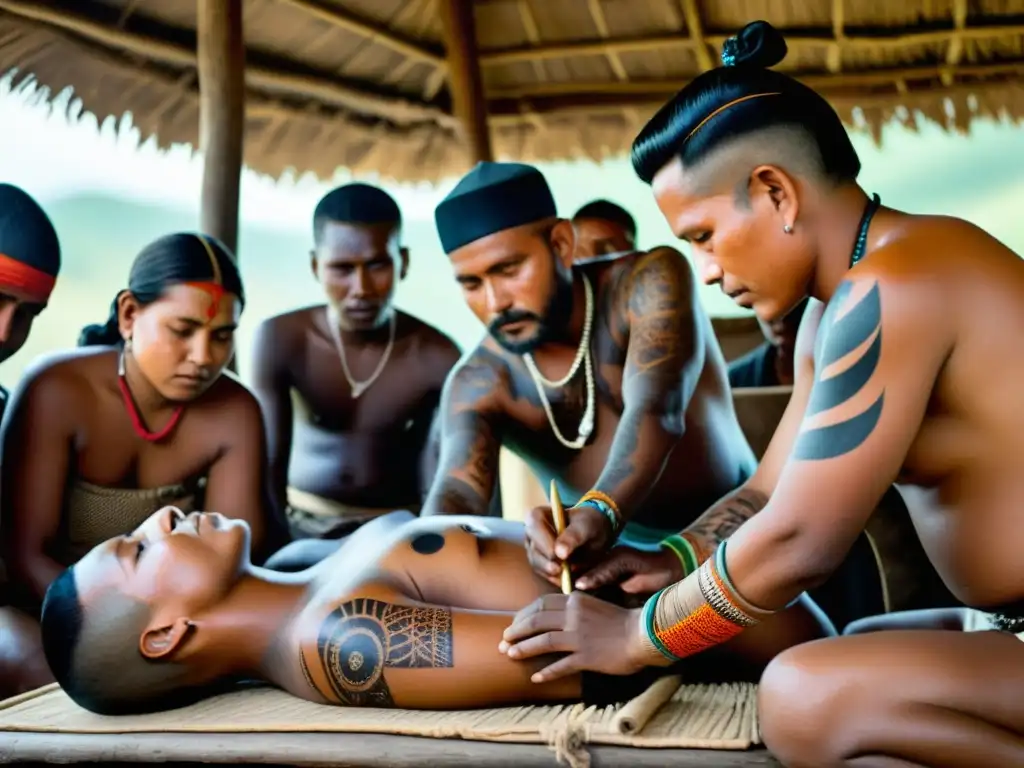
(362, 637)
(837, 338)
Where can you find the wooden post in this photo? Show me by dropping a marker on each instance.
(464, 80)
(221, 59)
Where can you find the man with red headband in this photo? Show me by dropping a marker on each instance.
(29, 263)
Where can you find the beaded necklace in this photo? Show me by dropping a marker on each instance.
(862, 234)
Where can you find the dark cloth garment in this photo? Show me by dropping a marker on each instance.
(754, 369)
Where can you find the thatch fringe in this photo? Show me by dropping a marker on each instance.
(564, 100)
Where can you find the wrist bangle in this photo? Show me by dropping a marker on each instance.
(684, 550)
(699, 548)
(649, 628)
(714, 611)
(606, 505)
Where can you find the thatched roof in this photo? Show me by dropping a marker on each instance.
(363, 83)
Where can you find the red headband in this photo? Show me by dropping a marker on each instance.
(24, 280)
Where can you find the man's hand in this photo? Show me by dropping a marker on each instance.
(597, 636)
(635, 571)
(586, 537)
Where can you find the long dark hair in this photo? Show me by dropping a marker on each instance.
(172, 260)
(739, 98)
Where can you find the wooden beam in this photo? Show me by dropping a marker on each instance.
(532, 30)
(221, 56)
(597, 16)
(464, 79)
(610, 96)
(795, 39)
(691, 13)
(316, 87)
(834, 58)
(956, 44)
(365, 28)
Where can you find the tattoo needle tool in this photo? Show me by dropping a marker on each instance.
(558, 512)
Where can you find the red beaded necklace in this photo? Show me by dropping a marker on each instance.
(133, 411)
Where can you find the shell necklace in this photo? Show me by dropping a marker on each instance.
(359, 387)
(583, 359)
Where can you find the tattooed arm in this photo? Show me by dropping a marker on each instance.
(383, 650)
(664, 360)
(881, 344)
(467, 470)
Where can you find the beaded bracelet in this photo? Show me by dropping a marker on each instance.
(721, 613)
(606, 505)
(648, 625)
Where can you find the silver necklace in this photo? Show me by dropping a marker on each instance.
(358, 387)
(583, 359)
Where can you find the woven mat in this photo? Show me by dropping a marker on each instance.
(667, 715)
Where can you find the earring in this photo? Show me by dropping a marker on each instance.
(120, 358)
(787, 229)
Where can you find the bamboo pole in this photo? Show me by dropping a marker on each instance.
(221, 59)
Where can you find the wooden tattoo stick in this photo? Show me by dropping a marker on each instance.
(558, 512)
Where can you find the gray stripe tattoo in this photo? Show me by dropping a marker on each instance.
(836, 340)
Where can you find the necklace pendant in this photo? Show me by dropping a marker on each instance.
(586, 426)
(357, 389)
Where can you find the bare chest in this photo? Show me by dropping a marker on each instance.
(107, 450)
(324, 397)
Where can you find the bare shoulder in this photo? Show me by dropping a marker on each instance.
(661, 266)
(68, 377)
(939, 249)
(288, 327)
(922, 264)
(228, 400)
(430, 344)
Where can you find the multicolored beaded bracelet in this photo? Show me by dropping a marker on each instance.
(721, 613)
(606, 505)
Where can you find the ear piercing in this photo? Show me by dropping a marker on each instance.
(787, 229)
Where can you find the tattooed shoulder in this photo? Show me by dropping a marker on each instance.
(362, 637)
(859, 327)
(477, 378)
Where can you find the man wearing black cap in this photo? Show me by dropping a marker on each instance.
(603, 230)
(604, 376)
(29, 264)
(365, 378)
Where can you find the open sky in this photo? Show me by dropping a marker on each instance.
(109, 196)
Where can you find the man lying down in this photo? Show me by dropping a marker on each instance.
(408, 613)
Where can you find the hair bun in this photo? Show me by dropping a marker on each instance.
(758, 44)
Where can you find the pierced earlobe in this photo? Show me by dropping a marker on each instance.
(161, 642)
(787, 229)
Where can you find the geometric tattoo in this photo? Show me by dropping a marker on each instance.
(836, 340)
(363, 636)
